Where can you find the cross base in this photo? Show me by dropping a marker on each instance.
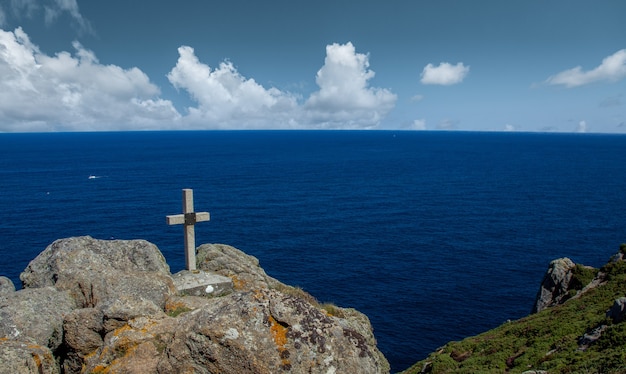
(201, 283)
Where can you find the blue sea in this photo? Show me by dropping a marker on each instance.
(434, 235)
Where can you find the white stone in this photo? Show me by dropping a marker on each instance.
(231, 334)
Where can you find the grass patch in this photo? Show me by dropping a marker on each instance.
(177, 311)
(329, 308)
(548, 340)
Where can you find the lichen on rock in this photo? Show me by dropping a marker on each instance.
(92, 306)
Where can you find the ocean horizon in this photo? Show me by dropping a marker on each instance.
(435, 236)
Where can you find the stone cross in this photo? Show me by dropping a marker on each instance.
(189, 218)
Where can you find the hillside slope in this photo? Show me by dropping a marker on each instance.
(585, 333)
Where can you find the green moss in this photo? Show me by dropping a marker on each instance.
(178, 311)
(547, 340)
(582, 276)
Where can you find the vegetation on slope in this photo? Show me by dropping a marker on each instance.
(552, 340)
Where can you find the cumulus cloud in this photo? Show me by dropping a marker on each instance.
(582, 127)
(225, 98)
(612, 69)
(72, 91)
(344, 97)
(445, 74)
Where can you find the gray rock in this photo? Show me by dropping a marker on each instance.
(35, 315)
(83, 332)
(267, 332)
(263, 331)
(230, 262)
(97, 271)
(6, 286)
(116, 313)
(18, 357)
(100, 306)
(555, 284)
(618, 310)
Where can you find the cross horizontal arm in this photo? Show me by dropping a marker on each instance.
(179, 219)
(202, 216)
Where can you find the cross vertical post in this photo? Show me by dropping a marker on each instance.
(189, 218)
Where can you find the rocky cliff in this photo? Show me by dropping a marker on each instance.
(95, 306)
(577, 326)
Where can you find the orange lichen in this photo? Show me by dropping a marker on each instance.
(174, 305)
(121, 330)
(279, 332)
(37, 362)
(258, 294)
(238, 284)
(100, 369)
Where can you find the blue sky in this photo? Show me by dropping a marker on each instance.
(535, 65)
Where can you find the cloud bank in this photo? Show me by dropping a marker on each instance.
(75, 92)
(445, 74)
(612, 69)
(70, 92)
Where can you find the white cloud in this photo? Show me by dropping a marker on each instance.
(419, 124)
(73, 92)
(508, 127)
(225, 98)
(582, 127)
(3, 17)
(445, 74)
(345, 98)
(612, 69)
(26, 8)
(58, 7)
(417, 98)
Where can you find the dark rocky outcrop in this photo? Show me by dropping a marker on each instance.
(555, 284)
(92, 306)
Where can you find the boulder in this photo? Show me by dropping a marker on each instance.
(618, 310)
(83, 332)
(18, 357)
(6, 286)
(35, 315)
(555, 284)
(264, 331)
(111, 306)
(101, 271)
